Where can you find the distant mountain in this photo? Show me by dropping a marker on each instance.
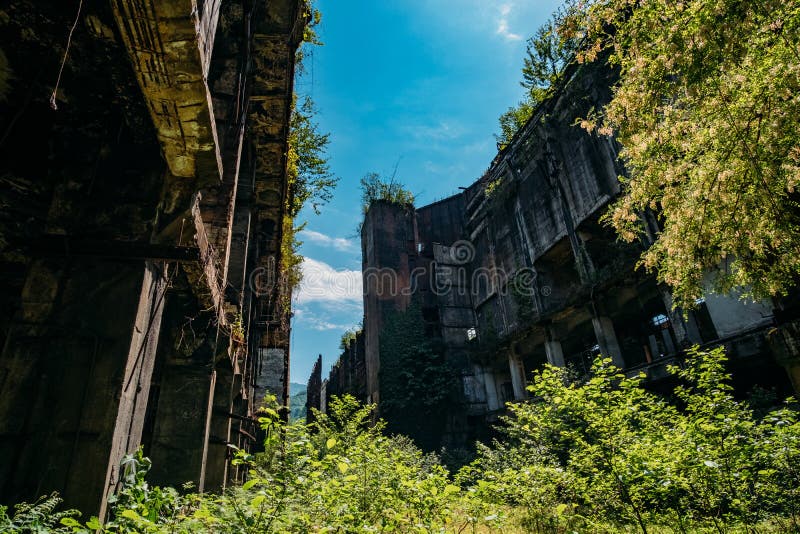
(295, 388)
(297, 401)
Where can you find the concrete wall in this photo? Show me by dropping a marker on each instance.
(388, 237)
(731, 314)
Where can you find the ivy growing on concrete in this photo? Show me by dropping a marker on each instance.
(415, 379)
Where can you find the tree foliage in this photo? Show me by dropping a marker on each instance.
(513, 119)
(349, 336)
(310, 177)
(308, 173)
(375, 188)
(548, 53)
(706, 110)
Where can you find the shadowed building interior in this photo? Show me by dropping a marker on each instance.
(143, 190)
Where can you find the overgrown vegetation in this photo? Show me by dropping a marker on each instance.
(308, 174)
(607, 455)
(349, 336)
(599, 455)
(548, 54)
(416, 382)
(375, 188)
(706, 108)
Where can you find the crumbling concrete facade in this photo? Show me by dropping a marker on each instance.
(314, 391)
(349, 374)
(517, 271)
(143, 206)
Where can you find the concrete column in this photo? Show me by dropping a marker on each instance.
(555, 354)
(553, 349)
(684, 337)
(607, 339)
(517, 369)
(75, 371)
(492, 398)
(135, 387)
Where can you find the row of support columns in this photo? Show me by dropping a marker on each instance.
(606, 339)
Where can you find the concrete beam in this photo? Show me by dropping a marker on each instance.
(169, 44)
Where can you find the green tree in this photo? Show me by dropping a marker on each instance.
(706, 109)
(548, 53)
(348, 337)
(375, 188)
(309, 175)
(512, 120)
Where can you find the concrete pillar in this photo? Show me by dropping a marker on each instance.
(517, 369)
(75, 373)
(215, 467)
(133, 395)
(607, 339)
(555, 354)
(492, 398)
(683, 335)
(553, 349)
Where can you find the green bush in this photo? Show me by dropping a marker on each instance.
(608, 454)
(598, 455)
(340, 474)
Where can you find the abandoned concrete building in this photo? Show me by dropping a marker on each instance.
(143, 171)
(518, 267)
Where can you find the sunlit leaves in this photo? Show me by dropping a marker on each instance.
(706, 109)
(608, 450)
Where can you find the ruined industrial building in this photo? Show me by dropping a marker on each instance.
(144, 190)
(517, 271)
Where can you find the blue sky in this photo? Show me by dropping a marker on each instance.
(417, 84)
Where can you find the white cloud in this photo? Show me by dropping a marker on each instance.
(323, 283)
(443, 131)
(338, 243)
(503, 28)
(321, 325)
(325, 318)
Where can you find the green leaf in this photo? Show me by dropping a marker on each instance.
(131, 514)
(450, 489)
(343, 467)
(249, 484)
(330, 443)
